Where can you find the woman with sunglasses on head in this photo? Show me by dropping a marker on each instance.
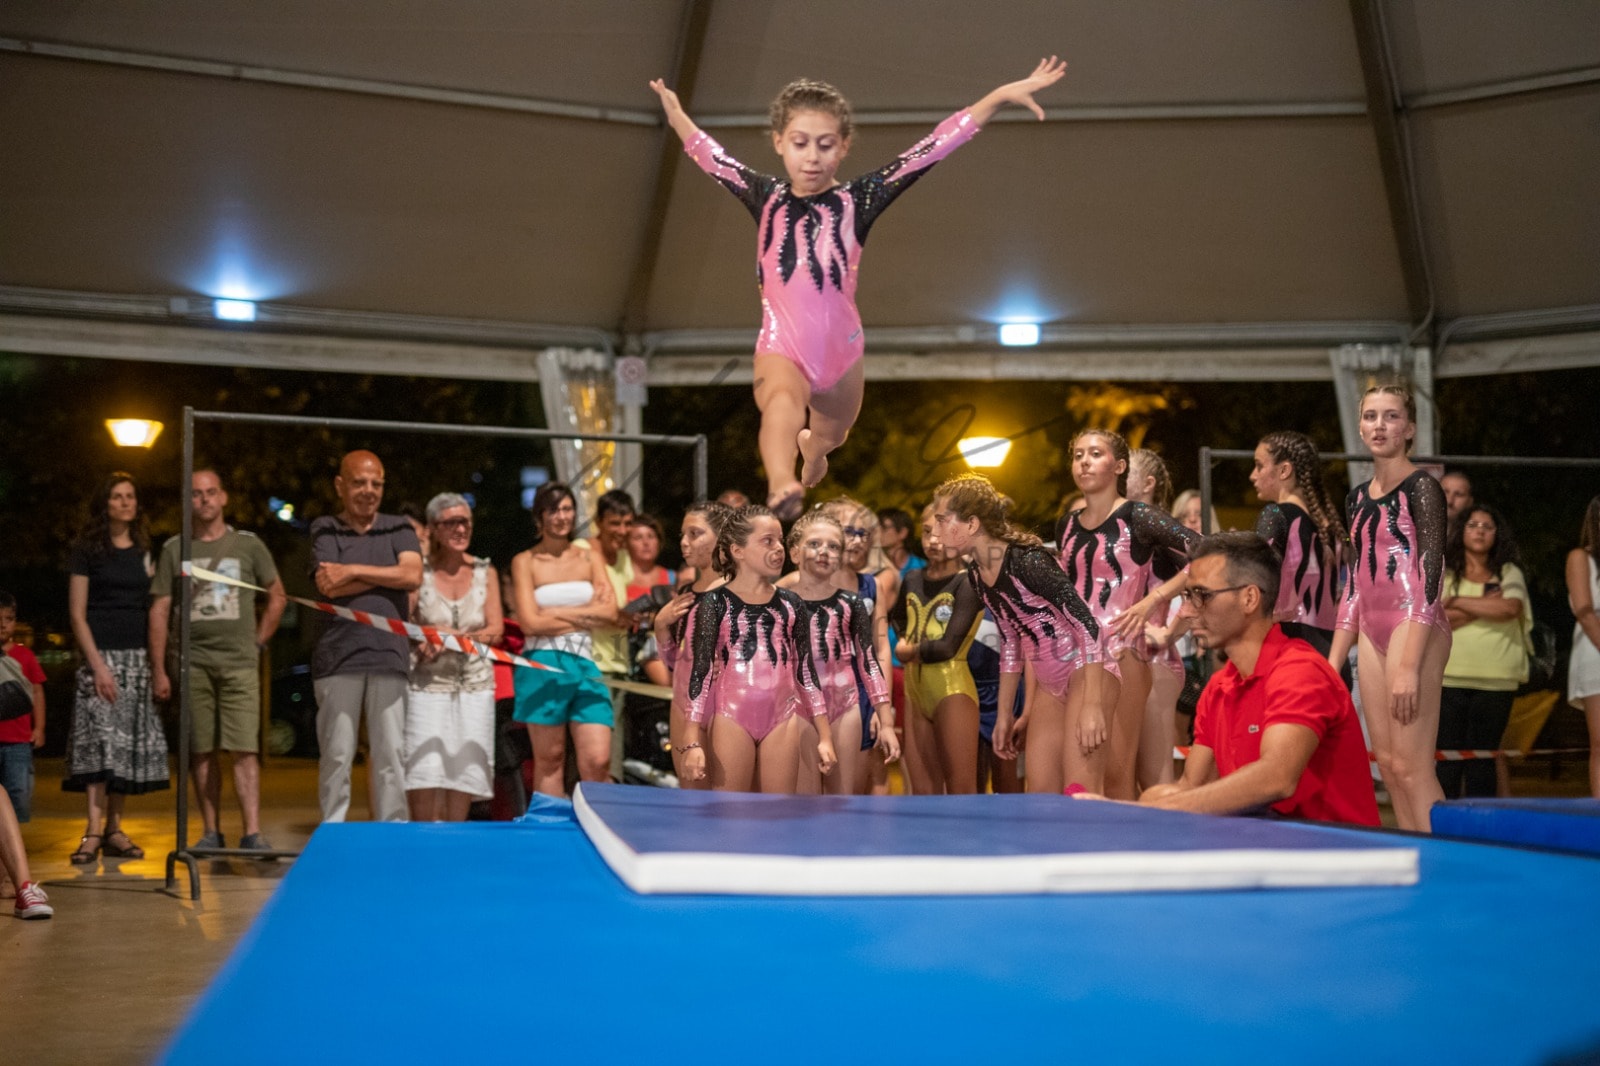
(1393, 610)
(1486, 600)
(1583, 593)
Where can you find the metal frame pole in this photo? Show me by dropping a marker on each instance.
(185, 600)
(182, 851)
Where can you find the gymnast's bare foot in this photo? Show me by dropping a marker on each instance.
(787, 503)
(815, 467)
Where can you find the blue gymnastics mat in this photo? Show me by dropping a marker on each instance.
(490, 943)
(1562, 824)
(742, 844)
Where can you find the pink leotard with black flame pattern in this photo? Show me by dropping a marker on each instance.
(840, 631)
(1113, 565)
(1308, 591)
(749, 662)
(1398, 572)
(1041, 617)
(808, 248)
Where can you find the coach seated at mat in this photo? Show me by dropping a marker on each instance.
(1274, 727)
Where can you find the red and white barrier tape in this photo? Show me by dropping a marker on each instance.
(1462, 755)
(425, 634)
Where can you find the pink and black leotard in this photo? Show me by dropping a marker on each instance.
(1113, 565)
(839, 628)
(808, 248)
(1041, 617)
(1308, 589)
(1398, 572)
(750, 662)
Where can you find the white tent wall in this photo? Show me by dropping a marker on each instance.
(400, 180)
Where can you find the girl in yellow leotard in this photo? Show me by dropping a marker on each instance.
(937, 616)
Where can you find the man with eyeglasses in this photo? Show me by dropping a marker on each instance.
(1275, 727)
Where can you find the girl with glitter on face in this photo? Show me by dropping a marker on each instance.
(701, 523)
(810, 231)
(750, 671)
(1111, 550)
(839, 624)
(1393, 612)
(1042, 621)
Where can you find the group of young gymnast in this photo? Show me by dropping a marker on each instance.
(781, 683)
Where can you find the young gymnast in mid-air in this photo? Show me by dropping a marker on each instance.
(809, 232)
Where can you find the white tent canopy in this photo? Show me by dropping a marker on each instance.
(1228, 189)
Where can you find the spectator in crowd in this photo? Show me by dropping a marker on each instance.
(563, 593)
(225, 642)
(733, 499)
(418, 521)
(1275, 727)
(31, 901)
(115, 743)
(1583, 673)
(367, 561)
(20, 733)
(645, 537)
(1491, 618)
(894, 537)
(1457, 493)
(450, 706)
(1186, 509)
(613, 519)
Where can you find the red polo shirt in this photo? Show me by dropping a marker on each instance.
(1292, 683)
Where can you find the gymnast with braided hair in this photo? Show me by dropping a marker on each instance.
(1303, 524)
(1393, 610)
(810, 229)
(751, 674)
(1044, 623)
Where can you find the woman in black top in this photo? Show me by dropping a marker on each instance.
(115, 745)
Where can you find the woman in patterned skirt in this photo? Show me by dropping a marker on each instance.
(115, 744)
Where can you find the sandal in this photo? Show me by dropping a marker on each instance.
(126, 850)
(85, 854)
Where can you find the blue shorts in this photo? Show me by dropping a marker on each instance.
(16, 776)
(573, 695)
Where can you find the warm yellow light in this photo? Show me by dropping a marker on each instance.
(984, 451)
(134, 432)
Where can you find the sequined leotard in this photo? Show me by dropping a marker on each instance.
(1398, 569)
(941, 615)
(750, 662)
(1308, 591)
(840, 631)
(1111, 565)
(1041, 617)
(808, 248)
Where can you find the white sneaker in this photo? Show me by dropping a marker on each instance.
(32, 902)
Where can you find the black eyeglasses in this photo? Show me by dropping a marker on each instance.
(1199, 598)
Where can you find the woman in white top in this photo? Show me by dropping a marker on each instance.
(1583, 592)
(450, 703)
(562, 592)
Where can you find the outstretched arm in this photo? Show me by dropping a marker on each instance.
(677, 117)
(1047, 73)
